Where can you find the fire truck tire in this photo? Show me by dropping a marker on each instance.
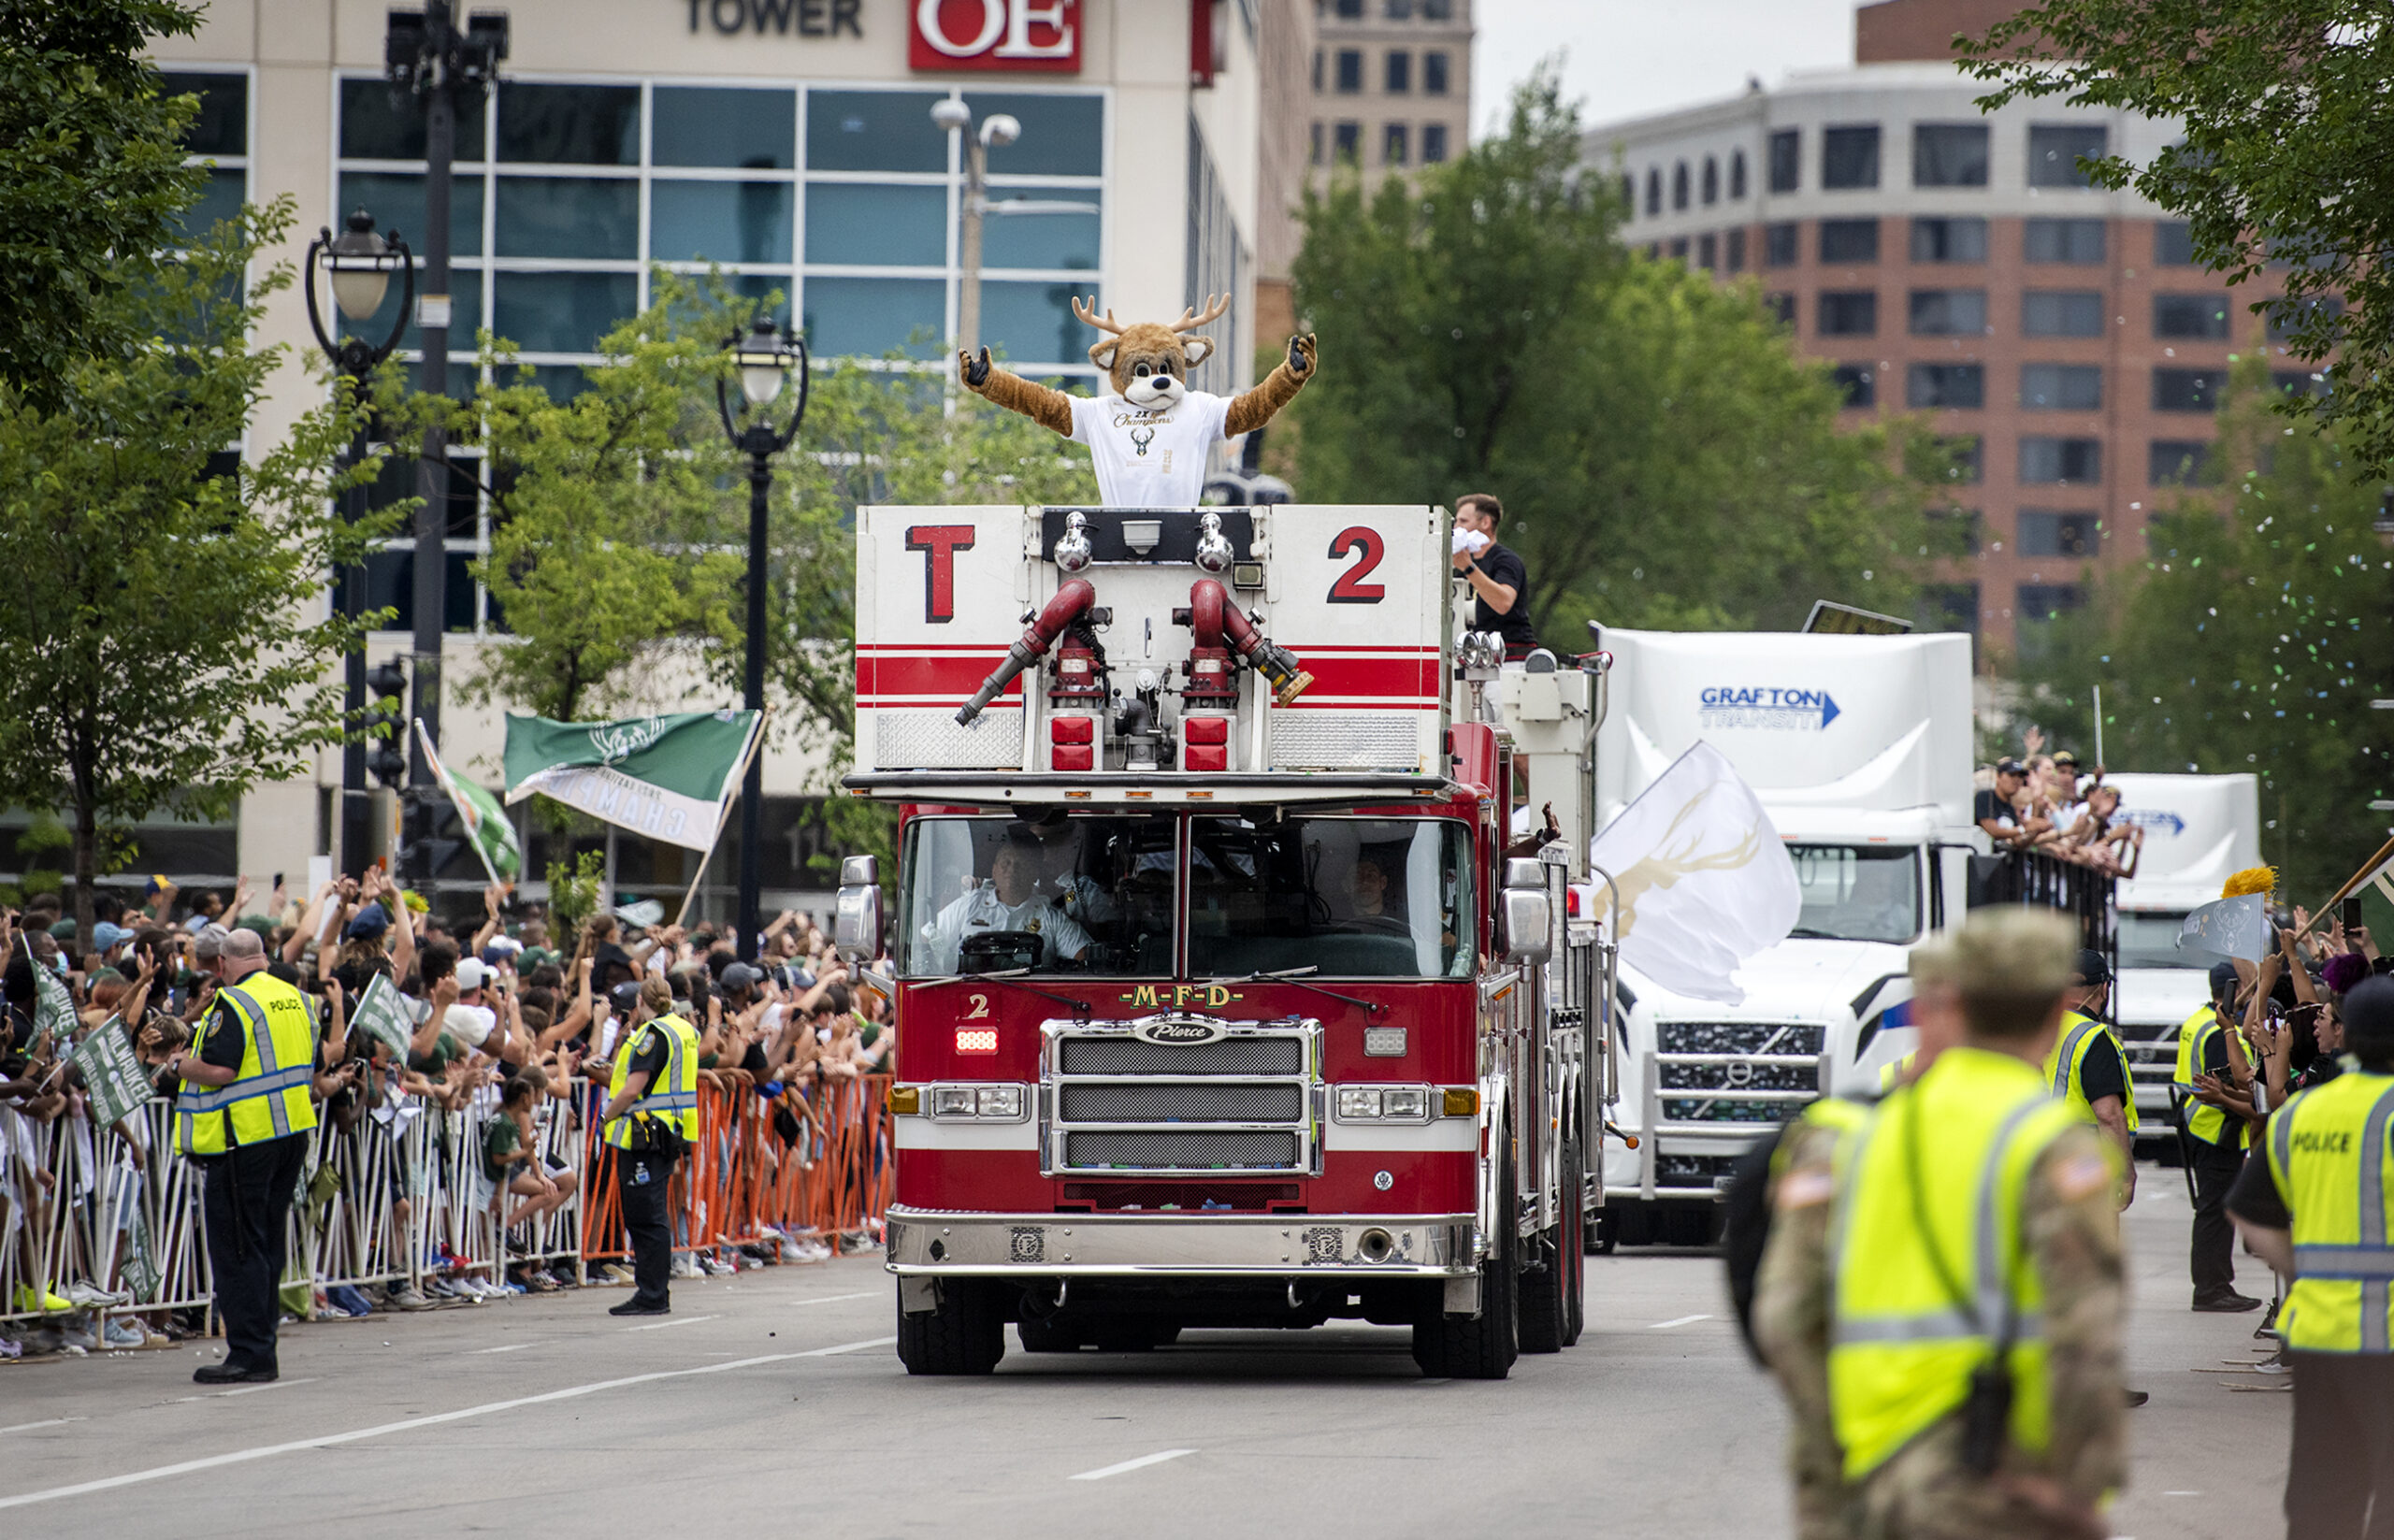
(1482, 1347)
(1574, 1250)
(1046, 1336)
(965, 1335)
(1550, 1304)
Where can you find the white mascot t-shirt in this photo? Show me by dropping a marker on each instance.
(1147, 457)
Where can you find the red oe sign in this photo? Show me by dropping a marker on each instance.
(995, 34)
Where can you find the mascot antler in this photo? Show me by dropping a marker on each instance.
(1089, 313)
(1216, 307)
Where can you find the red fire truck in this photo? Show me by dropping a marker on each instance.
(1229, 991)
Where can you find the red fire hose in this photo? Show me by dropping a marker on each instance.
(1071, 601)
(1213, 620)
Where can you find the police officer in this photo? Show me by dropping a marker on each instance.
(1972, 1390)
(2208, 1047)
(243, 1114)
(2089, 1070)
(2320, 1206)
(652, 1115)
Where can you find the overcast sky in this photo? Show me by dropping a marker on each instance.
(1627, 58)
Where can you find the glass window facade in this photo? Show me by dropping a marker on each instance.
(2045, 532)
(2187, 390)
(1948, 155)
(1859, 381)
(1946, 386)
(1849, 240)
(2190, 317)
(2048, 312)
(2070, 240)
(1849, 313)
(2055, 461)
(2054, 151)
(1850, 156)
(1786, 159)
(2061, 387)
(1947, 312)
(1949, 240)
(1779, 244)
(847, 201)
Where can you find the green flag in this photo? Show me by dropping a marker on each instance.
(53, 1007)
(486, 825)
(668, 777)
(381, 1014)
(114, 1077)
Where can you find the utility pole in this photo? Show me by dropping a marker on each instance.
(429, 57)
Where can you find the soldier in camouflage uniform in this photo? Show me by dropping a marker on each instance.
(2069, 1235)
(1791, 1292)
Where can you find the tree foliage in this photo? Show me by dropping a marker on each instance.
(166, 628)
(1664, 456)
(91, 179)
(2252, 643)
(2288, 158)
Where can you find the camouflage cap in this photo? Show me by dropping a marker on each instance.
(2012, 964)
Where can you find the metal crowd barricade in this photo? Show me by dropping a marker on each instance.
(402, 1192)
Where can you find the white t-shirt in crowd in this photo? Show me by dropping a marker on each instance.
(469, 1024)
(1147, 457)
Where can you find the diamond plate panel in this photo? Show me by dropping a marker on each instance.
(932, 739)
(1306, 740)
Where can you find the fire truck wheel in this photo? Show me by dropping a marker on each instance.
(1545, 1313)
(1574, 1243)
(1482, 1347)
(1047, 1336)
(965, 1335)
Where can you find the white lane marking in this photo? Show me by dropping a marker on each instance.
(835, 1299)
(244, 1390)
(847, 1347)
(47, 1422)
(324, 1441)
(1156, 1459)
(1677, 1320)
(510, 1347)
(2164, 1495)
(686, 1320)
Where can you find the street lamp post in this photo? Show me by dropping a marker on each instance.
(428, 56)
(997, 131)
(359, 264)
(764, 360)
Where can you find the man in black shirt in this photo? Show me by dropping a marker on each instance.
(1496, 575)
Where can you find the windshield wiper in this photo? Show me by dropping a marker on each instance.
(1013, 976)
(1805, 932)
(1296, 976)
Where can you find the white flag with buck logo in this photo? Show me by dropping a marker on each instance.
(1703, 882)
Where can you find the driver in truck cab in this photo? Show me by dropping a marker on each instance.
(1009, 900)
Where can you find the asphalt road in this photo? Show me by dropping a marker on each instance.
(775, 1399)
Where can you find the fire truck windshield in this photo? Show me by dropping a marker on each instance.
(1072, 895)
(1355, 897)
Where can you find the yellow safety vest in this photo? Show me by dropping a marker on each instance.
(1841, 1115)
(2066, 1066)
(671, 1096)
(2329, 1150)
(1890, 1075)
(1901, 1346)
(269, 1096)
(2206, 1123)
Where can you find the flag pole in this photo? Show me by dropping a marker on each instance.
(2368, 870)
(740, 777)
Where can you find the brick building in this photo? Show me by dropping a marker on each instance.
(1955, 263)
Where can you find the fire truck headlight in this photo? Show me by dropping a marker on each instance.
(1407, 1101)
(1001, 1102)
(953, 1102)
(1359, 1103)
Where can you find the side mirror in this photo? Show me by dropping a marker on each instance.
(856, 925)
(1527, 928)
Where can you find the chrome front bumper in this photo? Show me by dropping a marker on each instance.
(932, 1243)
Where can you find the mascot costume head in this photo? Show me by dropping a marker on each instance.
(1151, 435)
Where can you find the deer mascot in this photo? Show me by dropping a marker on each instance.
(1148, 437)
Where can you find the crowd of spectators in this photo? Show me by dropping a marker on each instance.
(508, 1022)
(2044, 803)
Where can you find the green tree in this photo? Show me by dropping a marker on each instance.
(2286, 158)
(165, 625)
(91, 179)
(1664, 456)
(2252, 642)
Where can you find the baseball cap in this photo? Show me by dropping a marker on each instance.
(625, 998)
(2093, 967)
(471, 974)
(2066, 757)
(738, 976)
(106, 936)
(2223, 978)
(211, 943)
(2010, 767)
(369, 922)
(62, 931)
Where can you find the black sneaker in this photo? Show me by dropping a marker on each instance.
(2268, 1327)
(2225, 1303)
(232, 1373)
(2137, 1397)
(633, 1307)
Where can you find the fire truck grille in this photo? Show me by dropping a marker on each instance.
(1230, 1055)
(1173, 1150)
(1183, 1102)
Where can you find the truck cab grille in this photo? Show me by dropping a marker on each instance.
(1770, 1056)
(1249, 1100)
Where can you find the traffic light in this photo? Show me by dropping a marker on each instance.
(385, 724)
(429, 834)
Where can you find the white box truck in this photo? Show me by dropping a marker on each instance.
(2198, 828)
(1861, 749)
